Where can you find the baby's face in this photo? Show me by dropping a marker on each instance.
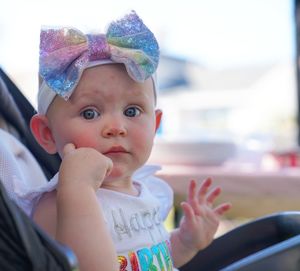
(110, 112)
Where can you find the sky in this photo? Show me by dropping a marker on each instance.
(214, 33)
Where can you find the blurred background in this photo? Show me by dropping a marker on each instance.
(227, 73)
(227, 76)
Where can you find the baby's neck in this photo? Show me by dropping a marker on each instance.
(128, 188)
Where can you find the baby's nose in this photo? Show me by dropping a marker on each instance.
(114, 130)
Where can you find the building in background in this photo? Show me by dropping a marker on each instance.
(252, 106)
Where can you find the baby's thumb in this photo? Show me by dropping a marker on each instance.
(109, 168)
(68, 148)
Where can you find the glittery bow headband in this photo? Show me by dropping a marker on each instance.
(66, 52)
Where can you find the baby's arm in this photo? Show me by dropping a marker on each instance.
(78, 218)
(199, 223)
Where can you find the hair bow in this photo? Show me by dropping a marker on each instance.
(66, 52)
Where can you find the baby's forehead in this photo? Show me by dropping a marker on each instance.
(105, 80)
(100, 93)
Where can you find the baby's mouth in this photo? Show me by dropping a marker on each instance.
(115, 150)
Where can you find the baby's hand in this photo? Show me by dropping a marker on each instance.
(201, 219)
(83, 166)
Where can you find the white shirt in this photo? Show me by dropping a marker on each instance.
(135, 222)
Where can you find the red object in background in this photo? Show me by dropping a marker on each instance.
(288, 159)
(293, 159)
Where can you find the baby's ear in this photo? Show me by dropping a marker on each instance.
(158, 115)
(39, 125)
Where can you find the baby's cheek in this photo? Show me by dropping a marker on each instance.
(144, 142)
(84, 140)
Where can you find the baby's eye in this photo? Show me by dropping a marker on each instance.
(132, 112)
(89, 114)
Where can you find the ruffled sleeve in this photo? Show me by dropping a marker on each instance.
(158, 187)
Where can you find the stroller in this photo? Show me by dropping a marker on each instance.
(23, 245)
(268, 243)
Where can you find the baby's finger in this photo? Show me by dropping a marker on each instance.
(188, 211)
(203, 190)
(68, 148)
(192, 191)
(213, 195)
(192, 200)
(221, 209)
(109, 167)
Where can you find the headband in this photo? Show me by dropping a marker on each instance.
(66, 52)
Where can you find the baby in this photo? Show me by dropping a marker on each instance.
(97, 109)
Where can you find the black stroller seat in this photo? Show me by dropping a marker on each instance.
(23, 245)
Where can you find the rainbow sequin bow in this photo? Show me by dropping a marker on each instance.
(66, 52)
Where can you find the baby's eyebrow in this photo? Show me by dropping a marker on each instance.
(85, 99)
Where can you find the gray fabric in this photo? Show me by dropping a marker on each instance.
(16, 112)
(9, 111)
